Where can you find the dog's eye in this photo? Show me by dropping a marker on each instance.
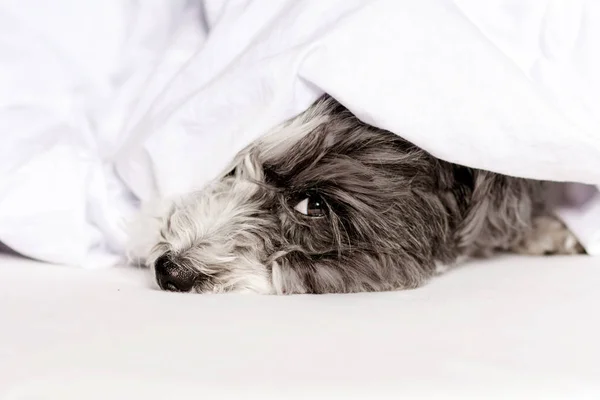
(312, 205)
(231, 173)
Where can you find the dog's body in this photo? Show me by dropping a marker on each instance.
(328, 204)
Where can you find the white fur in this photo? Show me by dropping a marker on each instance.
(200, 229)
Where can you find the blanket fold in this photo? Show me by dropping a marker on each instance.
(103, 105)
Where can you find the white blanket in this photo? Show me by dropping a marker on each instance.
(103, 104)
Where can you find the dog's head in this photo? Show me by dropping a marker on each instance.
(322, 204)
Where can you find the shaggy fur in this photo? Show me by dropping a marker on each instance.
(385, 215)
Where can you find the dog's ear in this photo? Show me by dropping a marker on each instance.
(499, 209)
(297, 273)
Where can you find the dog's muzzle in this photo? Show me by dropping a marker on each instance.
(172, 277)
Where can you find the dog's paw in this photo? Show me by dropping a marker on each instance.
(549, 236)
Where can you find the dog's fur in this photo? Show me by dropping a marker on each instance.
(393, 215)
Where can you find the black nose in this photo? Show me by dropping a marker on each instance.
(172, 277)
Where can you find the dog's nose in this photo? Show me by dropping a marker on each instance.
(172, 277)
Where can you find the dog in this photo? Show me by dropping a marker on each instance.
(325, 203)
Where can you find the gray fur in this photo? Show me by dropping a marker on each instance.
(393, 213)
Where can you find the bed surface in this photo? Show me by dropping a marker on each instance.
(510, 327)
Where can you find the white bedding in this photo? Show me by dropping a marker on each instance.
(103, 104)
(514, 328)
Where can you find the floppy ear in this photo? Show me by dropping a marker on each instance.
(499, 212)
(357, 272)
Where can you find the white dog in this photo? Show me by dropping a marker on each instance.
(327, 204)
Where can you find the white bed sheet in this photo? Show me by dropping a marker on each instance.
(507, 328)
